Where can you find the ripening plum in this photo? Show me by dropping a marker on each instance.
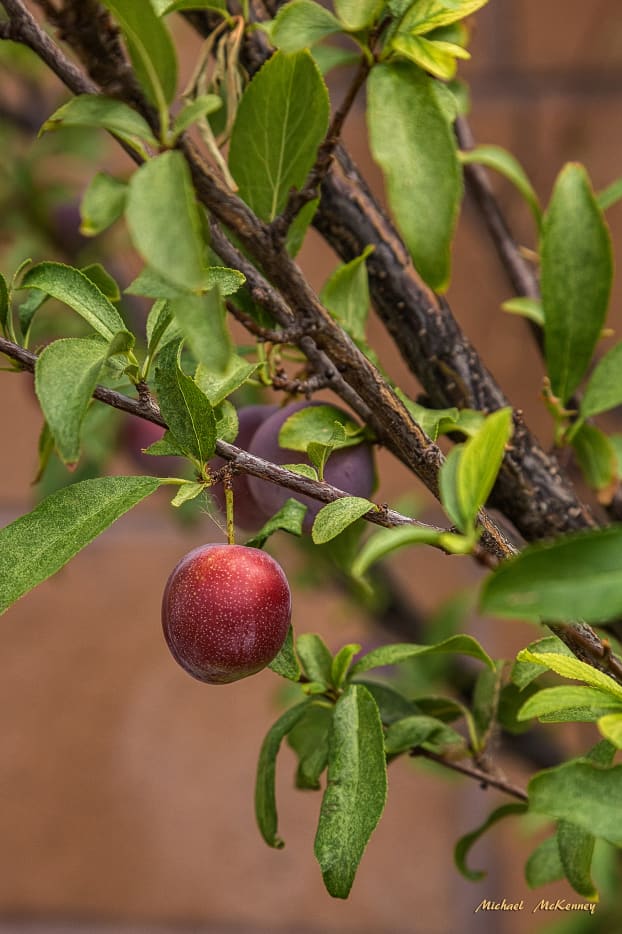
(225, 612)
(351, 469)
(137, 434)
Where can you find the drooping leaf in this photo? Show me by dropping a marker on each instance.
(309, 740)
(333, 518)
(414, 145)
(576, 273)
(465, 843)
(346, 295)
(570, 667)
(150, 47)
(356, 790)
(582, 793)
(544, 865)
(66, 374)
(186, 409)
(604, 389)
(96, 110)
(596, 456)
(502, 161)
(38, 544)
(315, 657)
(102, 204)
(286, 663)
(73, 288)
(281, 120)
(576, 849)
(289, 518)
(301, 24)
(575, 577)
(202, 321)
(164, 222)
(402, 651)
(265, 798)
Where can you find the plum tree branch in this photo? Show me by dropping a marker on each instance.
(484, 778)
(537, 497)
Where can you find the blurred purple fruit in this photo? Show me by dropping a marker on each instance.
(137, 434)
(249, 514)
(351, 469)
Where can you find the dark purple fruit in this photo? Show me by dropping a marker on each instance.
(225, 612)
(350, 469)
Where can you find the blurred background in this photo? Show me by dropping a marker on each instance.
(126, 788)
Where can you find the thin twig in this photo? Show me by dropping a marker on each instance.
(484, 778)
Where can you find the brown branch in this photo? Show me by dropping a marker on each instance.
(484, 778)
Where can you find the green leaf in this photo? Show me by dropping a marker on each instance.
(315, 657)
(529, 308)
(265, 798)
(341, 663)
(299, 226)
(611, 728)
(383, 542)
(289, 518)
(465, 843)
(301, 24)
(560, 704)
(437, 58)
(160, 326)
(333, 518)
(524, 672)
(610, 195)
(281, 120)
(285, 663)
(570, 667)
(356, 790)
(414, 145)
(66, 374)
(164, 222)
(164, 7)
(402, 651)
(426, 15)
(502, 161)
(576, 849)
(102, 204)
(202, 321)
(575, 577)
(582, 793)
(418, 730)
(448, 486)
(4, 306)
(194, 110)
(327, 57)
(217, 387)
(72, 287)
(150, 48)
(604, 389)
(346, 295)
(544, 865)
(100, 277)
(95, 110)
(186, 492)
(309, 740)
(149, 283)
(392, 705)
(358, 14)
(479, 465)
(38, 544)
(185, 408)
(596, 456)
(316, 423)
(576, 273)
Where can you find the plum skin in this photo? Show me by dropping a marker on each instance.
(226, 611)
(350, 469)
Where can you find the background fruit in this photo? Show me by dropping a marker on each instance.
(248, 514)
(138, 433)
(350, 469)
(225, 612)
